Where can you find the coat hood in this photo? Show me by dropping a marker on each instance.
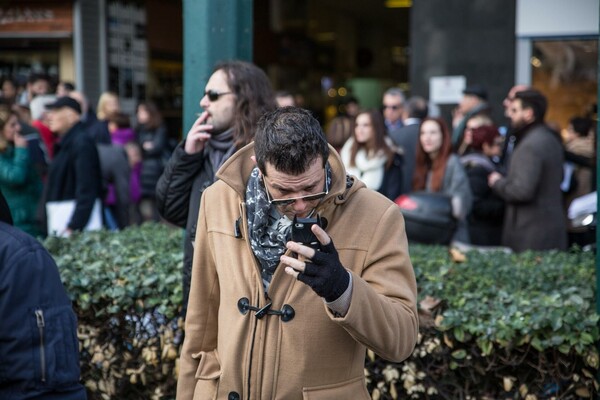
(236, 170)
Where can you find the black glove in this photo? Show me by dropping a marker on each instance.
(325, 274)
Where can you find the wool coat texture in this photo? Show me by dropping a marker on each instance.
(228, 353)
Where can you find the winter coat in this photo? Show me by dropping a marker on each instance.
(535, 217)
(116, 175)
(38, 334)
(22, 187)
(487, 214)
(75, 175)
(393, 178)
(178, 193)
(152, 159)
(229, 353)
(407, 138)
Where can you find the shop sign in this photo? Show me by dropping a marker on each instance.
(446, 89)
(36, 17)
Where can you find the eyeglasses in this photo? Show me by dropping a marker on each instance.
(292, 200)
(394, 107)
(214, 95)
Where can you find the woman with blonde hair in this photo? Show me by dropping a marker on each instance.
(108, 105)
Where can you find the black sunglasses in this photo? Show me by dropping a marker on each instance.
(214, 95)
(291, 200)
(394, 107)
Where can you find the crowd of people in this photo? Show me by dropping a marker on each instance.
(55, 147)
(511, 189)
(252, 171)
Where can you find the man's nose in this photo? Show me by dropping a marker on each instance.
(204, 102)
(299, 205)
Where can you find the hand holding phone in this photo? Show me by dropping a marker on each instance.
(302, 233)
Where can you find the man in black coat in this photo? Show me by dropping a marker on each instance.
(75, 170)
(236, 95)
(39, 356)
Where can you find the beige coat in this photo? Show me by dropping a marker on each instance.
(231, 355)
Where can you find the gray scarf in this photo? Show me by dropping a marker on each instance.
(220, 147)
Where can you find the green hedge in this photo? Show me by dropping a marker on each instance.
(496, 326)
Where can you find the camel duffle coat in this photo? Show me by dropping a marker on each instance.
(296, 348)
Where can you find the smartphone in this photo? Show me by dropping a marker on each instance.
(302, 233)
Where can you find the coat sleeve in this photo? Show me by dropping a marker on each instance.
(89, 182)
(459, 187)
(201, 322)
(383, 311)
(159, 142)
(174, 186)
(393, 178)
(122, 175)
(486, 204)
(14, 171)
(523, 177)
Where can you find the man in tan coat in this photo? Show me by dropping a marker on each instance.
(270, 318)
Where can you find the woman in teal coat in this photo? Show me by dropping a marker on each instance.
(19, 180)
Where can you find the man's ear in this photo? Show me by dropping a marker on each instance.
(253, 158)
(530, 114)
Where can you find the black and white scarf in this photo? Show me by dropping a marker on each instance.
(268, 230)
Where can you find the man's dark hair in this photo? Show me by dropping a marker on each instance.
(155, 118)
(581, 125)
(290, 139)
(69, 86)
(416, 107)
(38, 76)
(536, 101)
(254, 97)
(121, 120)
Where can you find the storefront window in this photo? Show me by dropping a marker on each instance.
(19, 64)
(566, 72)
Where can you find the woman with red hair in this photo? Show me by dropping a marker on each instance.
(438, 170)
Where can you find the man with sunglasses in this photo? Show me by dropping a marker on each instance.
(270, 318)
(393, 107)
(235, 96)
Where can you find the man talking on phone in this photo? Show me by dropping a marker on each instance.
(270, 318)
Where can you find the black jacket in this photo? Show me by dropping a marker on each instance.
(407, 139)
(393, 179)
(75, 175)
(178, 194)
(39, 356)
(487, 214)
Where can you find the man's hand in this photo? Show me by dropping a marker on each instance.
(493, 178)
(198, 135)
(321, 270)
